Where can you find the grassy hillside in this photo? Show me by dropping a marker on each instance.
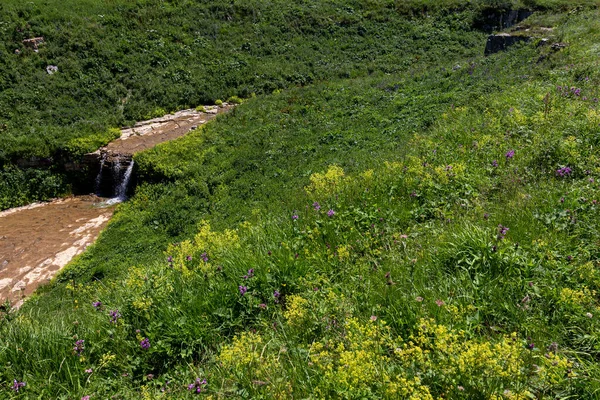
(421, 233)
(121, 61)
(124, 61)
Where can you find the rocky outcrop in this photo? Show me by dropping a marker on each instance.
(34, 43)
(109, 164)
(502, 41)
(496, 20)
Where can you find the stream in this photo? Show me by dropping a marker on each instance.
(38, 240)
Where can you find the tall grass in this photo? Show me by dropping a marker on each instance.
(423, 235)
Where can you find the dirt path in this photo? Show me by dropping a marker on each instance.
(36, 241)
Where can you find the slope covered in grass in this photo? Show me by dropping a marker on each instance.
(425, 234)
(123, 61)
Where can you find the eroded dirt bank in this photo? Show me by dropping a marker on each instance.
(36, 241)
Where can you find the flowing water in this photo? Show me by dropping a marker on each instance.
(37, 240)
(99, 176)
(122, 183)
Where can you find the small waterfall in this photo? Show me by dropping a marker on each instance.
(121, 192)
(99, 176)
(114, 182)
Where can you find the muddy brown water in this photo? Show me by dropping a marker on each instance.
(38, 240)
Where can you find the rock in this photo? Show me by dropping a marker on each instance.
(51, 69)
(19, 286)
(558, 46)
(33, 42)
(502, 41)
(494, 20)
(543, 42)
(4, 283)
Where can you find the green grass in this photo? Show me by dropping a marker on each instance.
(411, 274)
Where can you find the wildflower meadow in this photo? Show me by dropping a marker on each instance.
(431, 234)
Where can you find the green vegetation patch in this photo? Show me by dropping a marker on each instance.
(424, 234)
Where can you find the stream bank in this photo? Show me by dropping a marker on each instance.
(38, 240)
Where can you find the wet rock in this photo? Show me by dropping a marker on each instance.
(502, 41)
(19, 286)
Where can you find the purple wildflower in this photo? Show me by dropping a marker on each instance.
(316, 206)
(276, 295)
(114, 316)
(295, 217)
(145, 343)
(510, 154)
(243, 289)
(495, 163)
(204, 257)
(79, 347)
(198, 386)
(170, 259)
(97, 305)
(17, 385)
(502, 231)
(189, 258)
(85, 397)
(564, 171)
(330, 213)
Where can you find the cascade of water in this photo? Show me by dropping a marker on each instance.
(99, 176)
(121, 192)
(116, 174)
